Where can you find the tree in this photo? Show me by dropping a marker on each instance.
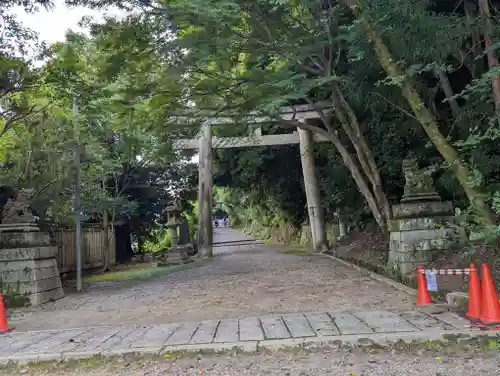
(120, 125)
(278, 54)
(385, 77)
(18, 48)
(425, 117)
(119, 131)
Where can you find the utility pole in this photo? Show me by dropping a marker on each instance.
(76, 200)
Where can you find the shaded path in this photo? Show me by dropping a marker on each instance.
(229, 235)
(243, 280)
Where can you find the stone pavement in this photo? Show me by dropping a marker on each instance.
(247, 334)
(230, 235)
(242, 280)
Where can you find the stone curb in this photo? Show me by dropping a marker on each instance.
(254, 346)
(397, 285)
(250, 346)
(377, 338)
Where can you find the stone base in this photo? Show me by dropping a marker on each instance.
(458, 299)
(10, 240)
(43, 297)
(177, 254)
(416, 238)
(148, 257)
(427, 197)
(19, 227)
(27, 253)
(31, 274)
(422, 209)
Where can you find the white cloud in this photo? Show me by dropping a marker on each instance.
(52, 25)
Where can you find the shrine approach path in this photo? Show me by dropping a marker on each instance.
(244, 279)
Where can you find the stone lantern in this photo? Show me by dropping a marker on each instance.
(173, 221)
(177, 253)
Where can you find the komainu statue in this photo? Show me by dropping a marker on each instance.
(419, 182)
(18, 209)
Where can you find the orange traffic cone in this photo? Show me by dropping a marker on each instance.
(490, 309)
(4, 326)
(423, 297)
(474, 310)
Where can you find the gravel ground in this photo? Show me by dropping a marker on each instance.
(327, 361)
(241, 281)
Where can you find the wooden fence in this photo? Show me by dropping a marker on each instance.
(92, 248)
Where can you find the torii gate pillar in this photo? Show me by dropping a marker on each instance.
(205, 229)
(316, 218)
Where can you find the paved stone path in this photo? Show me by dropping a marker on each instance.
(242, 280)
(247, 333)
(255, 297)
(226, 237)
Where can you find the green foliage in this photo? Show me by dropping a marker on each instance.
(136, 273)
(160, 239)
(124, 97)
(191, 214)
(154, 76)
(160, 242)
(253, 212)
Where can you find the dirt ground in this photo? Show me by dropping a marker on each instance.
(369, 247)
(298, 362)
(240, 281)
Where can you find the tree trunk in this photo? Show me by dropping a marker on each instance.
(484, 11)
(105, 231)
(475, 66)
(105, 241)
(428, 122)
(363, 151)
(362, 186)
(351, 165)
(448, 92)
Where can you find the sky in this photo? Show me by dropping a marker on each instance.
(51, 25)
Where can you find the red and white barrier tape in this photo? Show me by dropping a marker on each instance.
(465, 271)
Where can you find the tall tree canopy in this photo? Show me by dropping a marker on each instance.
(388, 79)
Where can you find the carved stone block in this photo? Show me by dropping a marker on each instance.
(419, 209)
(29, 272)
(22, 239)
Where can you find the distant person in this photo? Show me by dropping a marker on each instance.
(226, 222)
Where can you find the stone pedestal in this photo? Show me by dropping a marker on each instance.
(177, 254)
(28, 268)
(418, 231)
(19, 227)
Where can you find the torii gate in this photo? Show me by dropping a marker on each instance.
(206, 143)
